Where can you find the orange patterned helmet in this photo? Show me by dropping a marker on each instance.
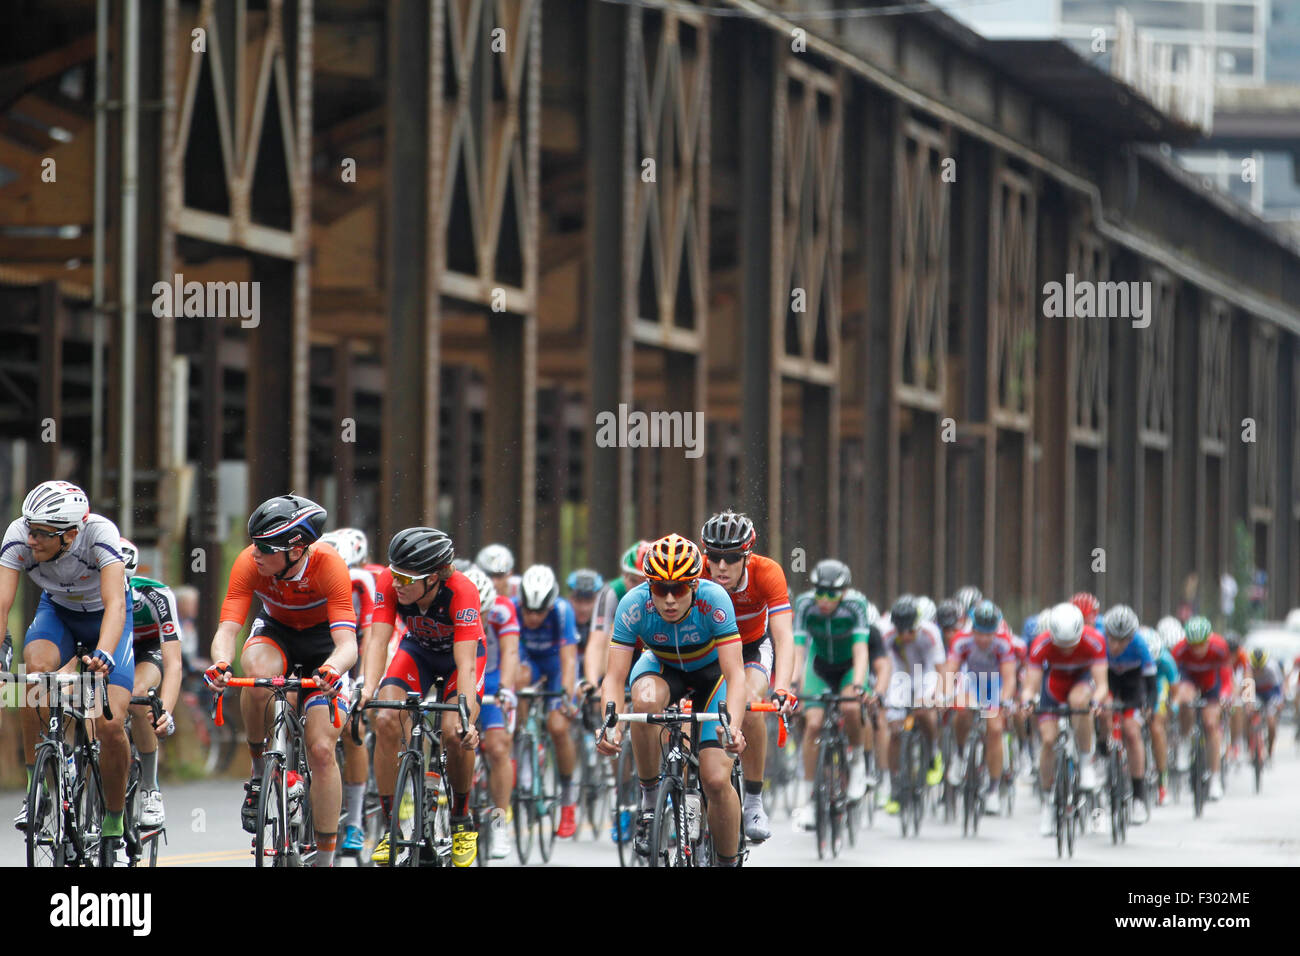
(673, 558)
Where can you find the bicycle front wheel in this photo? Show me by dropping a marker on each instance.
(45, 844)
(626, 808)
(822, 802)
(668, 835)
(270, 839)
(521, 802)
(546, 787)
(406, 833)
(89, 811)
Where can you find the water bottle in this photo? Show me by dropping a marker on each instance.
(294, 782)
(693, 815)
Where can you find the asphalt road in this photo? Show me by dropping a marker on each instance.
(1243, 829)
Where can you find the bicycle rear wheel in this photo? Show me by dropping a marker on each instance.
(406, 832)
(547, 799)
(627, 800)
(822, 801)
(521, 802)
(45, 844)
(668, 835)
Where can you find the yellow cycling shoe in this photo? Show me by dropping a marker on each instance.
(380, 855)
(464, 843)
(406, 809)
(891, 808)
(934, 776)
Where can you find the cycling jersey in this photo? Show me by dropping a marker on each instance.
(1268, 679)
(762, 594)
(500, 621)
(452, 615)
(556, 631)
(1136, 656)
(689, 644)
(924, 651)
(1211, 671)
(832, 637)
(363, 596)
(153, 612)
(602, 615)
(974, 659)
(1066, 667)
(320, 592)
(72, 579)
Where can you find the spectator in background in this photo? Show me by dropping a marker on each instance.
(1191, 603)
(1228, 590)
(187, 606)
(1259, 593)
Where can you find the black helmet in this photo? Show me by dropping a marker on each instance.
(287, 521)
(948, 614)
(728, 531)
(986, 617)
(903, 613)
(831, 574)
(420, 550)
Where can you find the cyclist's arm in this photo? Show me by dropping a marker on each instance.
(859, 661)
(376, 653)
(1100, 681)
(508, 644)
(465, 653)
(171, 682)
(617, 665)
(569, 668)
(163, 604)
(879, 660)
(1008, 671)
(782, 649)
(1033, 682)
(223, 642)
(112, 591)
(731, 661)
(593, 659)
(8, 590)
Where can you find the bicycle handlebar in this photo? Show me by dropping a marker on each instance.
(284, 684)
(153, 701)
(413, 702)
(771, 707)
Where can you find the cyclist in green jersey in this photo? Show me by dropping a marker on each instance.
(602, 615)
(839, 625)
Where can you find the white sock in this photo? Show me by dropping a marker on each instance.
(355, 795)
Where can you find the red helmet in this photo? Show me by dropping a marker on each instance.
(1087, 604)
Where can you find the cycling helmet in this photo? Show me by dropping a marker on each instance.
(585, 581)
(487, 591)
(630, 563)
(1170, 631)
(420, 550)
(673, 558)
(350, 543)
(1121, 622)
(967, 598)
(948, 614)
(1065, 624)
(903, 613)
(831, 575)
(1087, 603)
(538, 588)
(728, 531)
(59, 504)
(1234, 641)
(463, 565)
(130, 556)
(925, 609)
(496, 559)
(1198, 629)
(1258, 658)
(986, 617)
(1151, 637)
(286, 521)
(1030, 630)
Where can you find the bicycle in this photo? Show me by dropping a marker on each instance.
(65, 799)
(1067, 797)
(595, 775)
(1119, 787)
(421, 824)
(537, 790)
(285, 833)
(138, 840)
(1257, 735)
(1199, 772)
(974, 780)
(625, 807)
(914, 758)
(372, 813)
(679, 834)
(831, 810)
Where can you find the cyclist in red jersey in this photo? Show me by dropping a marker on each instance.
(1205, 666)
(306, 621)
(444, 641)
(765, 619)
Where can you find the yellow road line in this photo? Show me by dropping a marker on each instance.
(210, 856)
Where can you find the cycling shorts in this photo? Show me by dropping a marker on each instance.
(820, 677)
(490, 716)
(1270, 701)
(1048, 698)
(415, 667)
(300, 651)
(548, 667)
(706, 688)
(1127, 689)
(149, 652)
(759, 655)
(66, 628)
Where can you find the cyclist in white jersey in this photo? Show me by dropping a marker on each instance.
(916, 651)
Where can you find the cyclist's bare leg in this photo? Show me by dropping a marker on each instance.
(1214, 733)
(993, 756)
(724, 806)
(39, 657)
(961, 725)
(754, 727)
(1185, 695)
(1048, 731)
(1160, 742)
(895, 728)
(1079, 698)
(147, 676)
(496, 746)
(1137, 753)
(257, 660)
(391, 730)
(853, 728)
(114, 752)
(460, 757)
(812, 726)
(326, 787)
(649, 696)
(566, 757)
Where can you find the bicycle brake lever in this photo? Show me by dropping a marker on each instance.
(218, 717)
(463, 709)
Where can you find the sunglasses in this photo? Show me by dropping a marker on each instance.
(45, 535)
(827, 595)
(267, 548)
(664, 589)
(725, 557)
(405, 580)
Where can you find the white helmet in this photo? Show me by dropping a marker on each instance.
(350, 543)
(487, 592)
(60, 504)
(1170, 631)
(538, 588)
(496, 559)
(1065, 624)
(925, 609)
(130, 556)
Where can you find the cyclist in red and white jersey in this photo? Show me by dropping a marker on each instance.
(1205, 666)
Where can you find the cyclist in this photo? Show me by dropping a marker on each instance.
(548, 647)
(1131, 676)
(763, 614)
(1168, 633)
(75, 558)
(1236, 712)
(692, 648)
(306, 622)
(915, 653)
(835, 629)
(1205, 669)
(926, 609)
(501, 633)
(1089, 606)
(584, 584)
(602, 618)
(948, 617)
(966, 598)
(1267, 675)
(444, 640)
(1075, 656)
(498, 561)
(983, 665)
(156, 627)
(352, 546)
